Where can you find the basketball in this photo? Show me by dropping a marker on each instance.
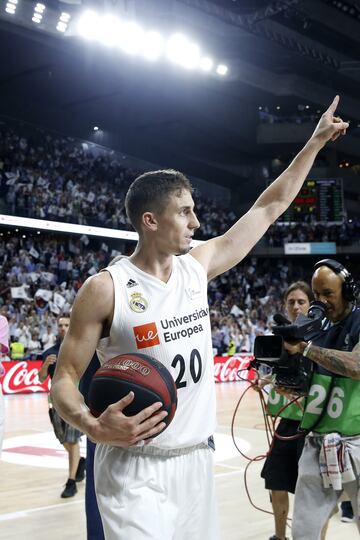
(146, 377)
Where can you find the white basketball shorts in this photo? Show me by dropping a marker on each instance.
(144, 496)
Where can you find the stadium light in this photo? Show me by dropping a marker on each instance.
(153, 45)
(182, 51)
(61, 26)
(39, 8)
(222, 69)
(38, 13)
(65, 17)
(108, 30)
(88, 25)
(63, 22)
(11, 7)
(131, 38)
(206, 63)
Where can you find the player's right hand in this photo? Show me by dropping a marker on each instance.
(114, 428)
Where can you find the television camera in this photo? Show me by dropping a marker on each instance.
(292, 372)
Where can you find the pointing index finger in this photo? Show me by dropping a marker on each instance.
(332, 108)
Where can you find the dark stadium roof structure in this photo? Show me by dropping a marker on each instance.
(283, 52)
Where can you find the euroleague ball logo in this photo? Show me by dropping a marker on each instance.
(146, 335)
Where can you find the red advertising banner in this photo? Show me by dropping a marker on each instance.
(233, 368)
(22, 378)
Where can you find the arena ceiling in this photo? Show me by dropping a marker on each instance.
(286, 53)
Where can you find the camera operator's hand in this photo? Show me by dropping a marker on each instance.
(285, 392)
(295, 348)
(264, 381)
(261, 382)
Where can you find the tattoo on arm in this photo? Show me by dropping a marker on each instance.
(340, 362)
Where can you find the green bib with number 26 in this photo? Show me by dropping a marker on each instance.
(342, 408)
(276, 402)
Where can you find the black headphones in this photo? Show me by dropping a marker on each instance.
(350, 289)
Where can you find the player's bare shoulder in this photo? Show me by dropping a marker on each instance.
(96, 296)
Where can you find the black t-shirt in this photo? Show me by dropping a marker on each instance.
(88, 374)
(340, 336)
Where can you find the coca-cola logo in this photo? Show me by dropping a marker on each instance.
(23, 377)
(232, 368)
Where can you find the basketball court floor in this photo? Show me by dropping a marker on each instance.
(33, 470)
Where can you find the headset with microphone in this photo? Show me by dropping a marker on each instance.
(350, 289)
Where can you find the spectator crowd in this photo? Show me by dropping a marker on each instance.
(345, 234)
(40, 276)
(60, 179)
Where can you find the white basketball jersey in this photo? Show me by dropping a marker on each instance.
(170, 322)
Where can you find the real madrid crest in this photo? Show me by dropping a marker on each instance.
(138, 303)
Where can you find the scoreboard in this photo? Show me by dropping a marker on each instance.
(319, 200)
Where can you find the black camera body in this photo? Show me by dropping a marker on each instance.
(292, 372)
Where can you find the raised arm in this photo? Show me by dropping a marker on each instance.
(91, 314)
(223, 252)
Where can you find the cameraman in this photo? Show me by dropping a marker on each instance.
(280, 470)
(330, 462)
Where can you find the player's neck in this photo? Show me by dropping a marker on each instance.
(152, 262)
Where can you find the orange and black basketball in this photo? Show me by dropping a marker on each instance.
(146, 377)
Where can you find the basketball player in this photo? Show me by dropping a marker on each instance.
(330, 463)
(155, 303)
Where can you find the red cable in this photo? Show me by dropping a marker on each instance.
(270, 431)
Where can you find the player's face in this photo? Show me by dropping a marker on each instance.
(296, 302)
(63, 326)
(327, 287)
(177, 224)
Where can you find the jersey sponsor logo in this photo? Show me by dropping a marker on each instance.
(178, 322)
(184, 333)
(185, 319)
(138, 303)
(193, 293)
(146, 335)
(131, 283)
